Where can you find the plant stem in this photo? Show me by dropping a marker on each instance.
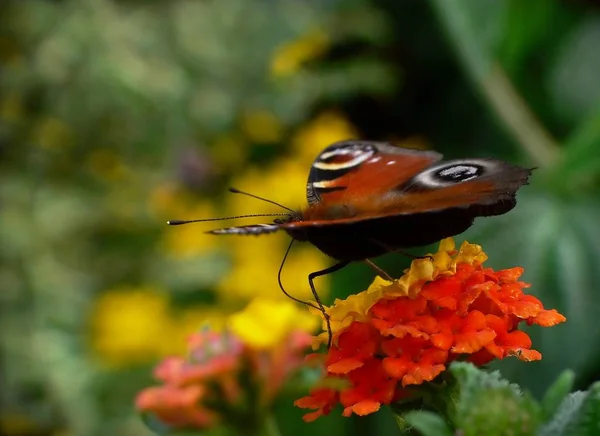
(270, 427)
(494, 84)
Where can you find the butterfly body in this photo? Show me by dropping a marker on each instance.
(368, 198)
(374, 237)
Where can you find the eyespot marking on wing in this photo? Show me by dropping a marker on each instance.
(451, 173)
(344, 156)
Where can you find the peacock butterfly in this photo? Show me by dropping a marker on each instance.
(369, 198)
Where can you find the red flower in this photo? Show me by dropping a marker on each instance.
(204, 389)
(212, 365)
(406, 333)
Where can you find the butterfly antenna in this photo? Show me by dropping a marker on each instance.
(237, 191)
(320, 307)
(180, 222)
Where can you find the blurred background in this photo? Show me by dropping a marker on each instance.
(116, 115)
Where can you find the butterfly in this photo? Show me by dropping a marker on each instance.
(368, 198)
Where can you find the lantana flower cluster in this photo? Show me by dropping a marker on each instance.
(230, 377)
(399, 334)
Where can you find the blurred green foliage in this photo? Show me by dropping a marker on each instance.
(116, 113)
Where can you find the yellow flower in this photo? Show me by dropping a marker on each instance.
(11, 107)
(325, 129)
(130, 325)
(266, 323)
(167, 201)
(14, 423)
(256, 261)
(229, 151)
(291, 56)
(190, 240)
(106, 165)
(284, 181)
(442, 263)
(261, 126)
(52, 134)
(137, 325)
(173, 202)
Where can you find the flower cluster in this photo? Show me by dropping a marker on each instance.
(211, 367)
(395, 334)
(229, 377)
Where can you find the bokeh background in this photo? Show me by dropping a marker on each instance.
(116, 115)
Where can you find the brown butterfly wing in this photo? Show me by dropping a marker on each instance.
(368, 198)
(354, 171)
(435, 200)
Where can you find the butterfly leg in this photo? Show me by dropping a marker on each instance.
(378, 270)
(286, 293)
(314, 275)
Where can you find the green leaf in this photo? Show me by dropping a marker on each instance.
(581, 161)
(557, 393)
(587, 421)
(525, 27)
(490, 405)
(573, 82)
(564, 416)
(590, 418)
(470, 380)
(427, 423)
(474, 28)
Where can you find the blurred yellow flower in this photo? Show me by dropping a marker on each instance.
(18, 424)
(137, 325)
(291, 56)
(229, 151)
(266, 323)
(174, 202)
(256, 260)
(130, 325)
(11, 107)
(284, 181)
(261, 126)
(327, 128)
(169, 200)
(255, 267)
(107, 165)
(51, 133)
(190, 240)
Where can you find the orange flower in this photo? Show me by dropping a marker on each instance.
(220, 380)
(395, 334)
(212, 366)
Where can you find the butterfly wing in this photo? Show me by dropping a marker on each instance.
(408, 198)
(363, 193)
(354, 171)
(343, 174)
(353, 181)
